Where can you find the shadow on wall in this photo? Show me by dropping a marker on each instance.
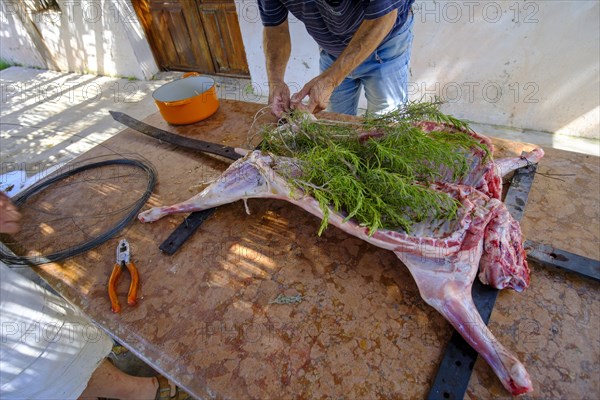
(89, 37)
(517, 64)
(16, 45)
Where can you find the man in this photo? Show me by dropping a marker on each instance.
(363, 43)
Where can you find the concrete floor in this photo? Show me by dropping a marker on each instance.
(48, 118)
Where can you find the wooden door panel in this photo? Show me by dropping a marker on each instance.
(160, 25)
(214, 36)
(176, 24)
(203, 36)
(180, 36)
(142, 10)
(223, 34)
(199, 43)
(238, 53)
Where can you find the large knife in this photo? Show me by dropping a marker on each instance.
(192, 222)
(178, 140)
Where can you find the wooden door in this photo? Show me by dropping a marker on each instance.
(189, 35)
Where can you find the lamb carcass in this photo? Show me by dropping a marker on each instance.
(442, 256)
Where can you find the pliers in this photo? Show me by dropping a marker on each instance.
(123, 261)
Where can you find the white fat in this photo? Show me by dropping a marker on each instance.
(241, 151)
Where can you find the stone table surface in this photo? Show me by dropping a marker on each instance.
(206, 316)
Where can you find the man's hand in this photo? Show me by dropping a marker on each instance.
(279, 98)
(318, 90)
(9, 216)
(366, 39)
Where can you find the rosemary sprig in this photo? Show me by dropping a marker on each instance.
(378, 171)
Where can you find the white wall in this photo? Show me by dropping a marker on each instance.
(523, 64)
(526, 64)
(304, 61)
(101, 36)
(15, 44)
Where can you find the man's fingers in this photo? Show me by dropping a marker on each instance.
(9, 217)
(298, 97)
(9, 227)
(285, 103)
(280, 104)
(279, 98)
(295, 100)
(276, 110)
(302, 107)
(311, 106)
(315, 105)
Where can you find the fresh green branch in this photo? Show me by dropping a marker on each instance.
(378, 170)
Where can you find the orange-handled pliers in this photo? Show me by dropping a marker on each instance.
(123, 261)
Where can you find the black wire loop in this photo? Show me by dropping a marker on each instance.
(9, 257)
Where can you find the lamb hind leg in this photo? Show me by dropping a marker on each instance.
(449, 292)
(206, 199)
(242, 180)
(191, 205)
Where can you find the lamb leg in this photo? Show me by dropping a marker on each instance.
(506, 165)
(245, 178)
(446, 286)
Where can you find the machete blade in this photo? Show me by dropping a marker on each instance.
(178, 140)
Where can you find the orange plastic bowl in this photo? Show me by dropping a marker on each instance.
(187, 100)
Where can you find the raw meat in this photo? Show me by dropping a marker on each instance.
(442, 256)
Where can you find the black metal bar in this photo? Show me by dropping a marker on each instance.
(549, 256)
(190, 224)
(455, 369)
(518, 191)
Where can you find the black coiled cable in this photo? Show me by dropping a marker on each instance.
(9, 257)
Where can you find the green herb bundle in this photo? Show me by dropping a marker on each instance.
(378, 170)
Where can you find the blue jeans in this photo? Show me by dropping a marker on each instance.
(384, 74)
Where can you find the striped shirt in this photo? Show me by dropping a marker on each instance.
(332, 26)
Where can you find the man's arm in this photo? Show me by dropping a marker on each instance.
(277, 47)
(367, 38)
